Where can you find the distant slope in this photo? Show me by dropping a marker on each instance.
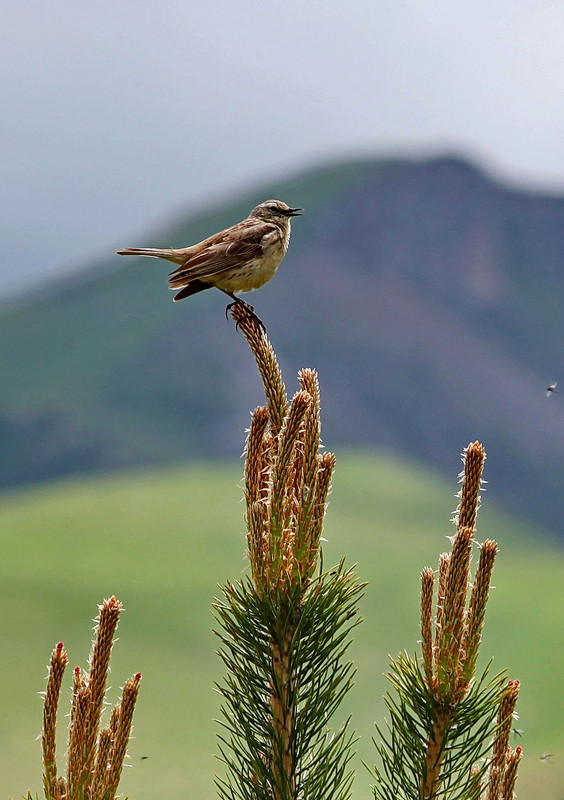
(428, 296)
(163, 540)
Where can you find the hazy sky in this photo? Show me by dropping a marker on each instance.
(119, 112)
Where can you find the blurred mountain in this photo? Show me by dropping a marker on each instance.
(427, 295)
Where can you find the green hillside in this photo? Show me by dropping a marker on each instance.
(162, 541)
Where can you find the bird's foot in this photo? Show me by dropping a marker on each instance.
(250, 309)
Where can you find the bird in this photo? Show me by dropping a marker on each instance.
(552, 388)
(237, 259)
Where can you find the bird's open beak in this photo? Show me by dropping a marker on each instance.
(294, 212)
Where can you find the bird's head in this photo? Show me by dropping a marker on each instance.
(275, 210)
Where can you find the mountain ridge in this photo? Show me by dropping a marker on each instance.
(427, 295)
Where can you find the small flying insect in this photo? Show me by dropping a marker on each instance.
(546, 758)
(552, 388)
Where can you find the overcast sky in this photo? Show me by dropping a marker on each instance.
(119, 112)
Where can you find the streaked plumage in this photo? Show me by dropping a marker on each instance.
(238, 259)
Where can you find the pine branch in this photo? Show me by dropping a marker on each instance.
(284, 632)
(94, 760)
(443, 721)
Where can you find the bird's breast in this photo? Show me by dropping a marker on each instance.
(251, 275)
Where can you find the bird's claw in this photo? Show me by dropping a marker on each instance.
(261, 324)
(250, 308)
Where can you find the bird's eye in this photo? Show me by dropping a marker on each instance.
(274, 209)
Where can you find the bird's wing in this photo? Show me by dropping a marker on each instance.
(223, 251)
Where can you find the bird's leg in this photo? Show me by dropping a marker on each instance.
(235, 300)
(243, 303)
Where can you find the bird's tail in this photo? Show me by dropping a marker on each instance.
(152, 252)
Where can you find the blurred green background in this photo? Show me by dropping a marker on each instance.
(163, 540)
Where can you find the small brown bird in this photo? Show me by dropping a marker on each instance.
(238, 259)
